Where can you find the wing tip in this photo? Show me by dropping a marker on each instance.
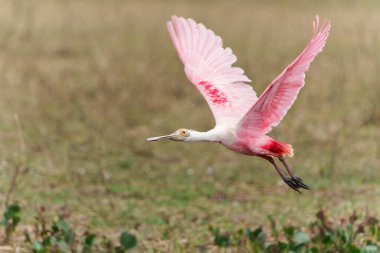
(212, 43)
(325, 27)
(173, 18)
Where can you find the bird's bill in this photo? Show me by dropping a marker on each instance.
(163, 137)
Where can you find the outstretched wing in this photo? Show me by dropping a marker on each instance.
(208, 67)
(279, 96)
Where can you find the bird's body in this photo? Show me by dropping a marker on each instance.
(242, 119)
(228, 136)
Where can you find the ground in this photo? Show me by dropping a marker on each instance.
(84, 83)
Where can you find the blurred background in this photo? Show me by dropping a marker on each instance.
(84, 83)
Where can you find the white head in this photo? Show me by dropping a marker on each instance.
(181, 134)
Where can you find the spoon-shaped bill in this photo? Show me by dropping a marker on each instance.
(157, 138)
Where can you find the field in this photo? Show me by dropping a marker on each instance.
(84, 83)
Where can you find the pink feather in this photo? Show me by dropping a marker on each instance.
(208, 67)
(279, 96)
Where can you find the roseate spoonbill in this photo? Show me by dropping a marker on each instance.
(242, 120)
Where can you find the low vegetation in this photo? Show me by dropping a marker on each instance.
(58, 236)
(345, 235)
(351, 234)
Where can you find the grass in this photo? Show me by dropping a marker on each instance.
(83, 83)
(352, 234)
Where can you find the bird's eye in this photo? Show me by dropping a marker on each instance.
(184, 133)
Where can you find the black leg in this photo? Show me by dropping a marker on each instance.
(289, 181)
(295, 179)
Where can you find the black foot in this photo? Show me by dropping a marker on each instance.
(295, 183)
(299, 183)
(292, 184)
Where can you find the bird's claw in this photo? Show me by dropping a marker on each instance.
(292, 184)
(295, 183)
(299, 183)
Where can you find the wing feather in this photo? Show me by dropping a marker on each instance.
(279, 96)
(208, 67)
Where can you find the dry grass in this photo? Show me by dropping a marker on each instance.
(90, 80)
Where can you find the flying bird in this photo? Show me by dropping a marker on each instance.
(242, 119)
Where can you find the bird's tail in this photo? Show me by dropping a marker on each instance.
(279, 148)
(287, 149)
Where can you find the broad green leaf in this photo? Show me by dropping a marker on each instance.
(257, 235)
(301, 238)
(222, 241)
(89, 239)
(353, 249)
(62, 225)
(38, 248)
(289, 231)
(328, 238)
(313, 250)
(369, 249)
(69, 236)
(127, 240)
(53, 241)
(11, 211)
(282, 245)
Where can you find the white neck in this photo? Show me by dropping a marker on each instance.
(196, 136)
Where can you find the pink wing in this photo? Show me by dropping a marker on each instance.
(208, 67)
(279, 96)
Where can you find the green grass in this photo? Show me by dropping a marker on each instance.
(89, 81)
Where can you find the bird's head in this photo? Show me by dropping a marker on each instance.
(181, 134)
